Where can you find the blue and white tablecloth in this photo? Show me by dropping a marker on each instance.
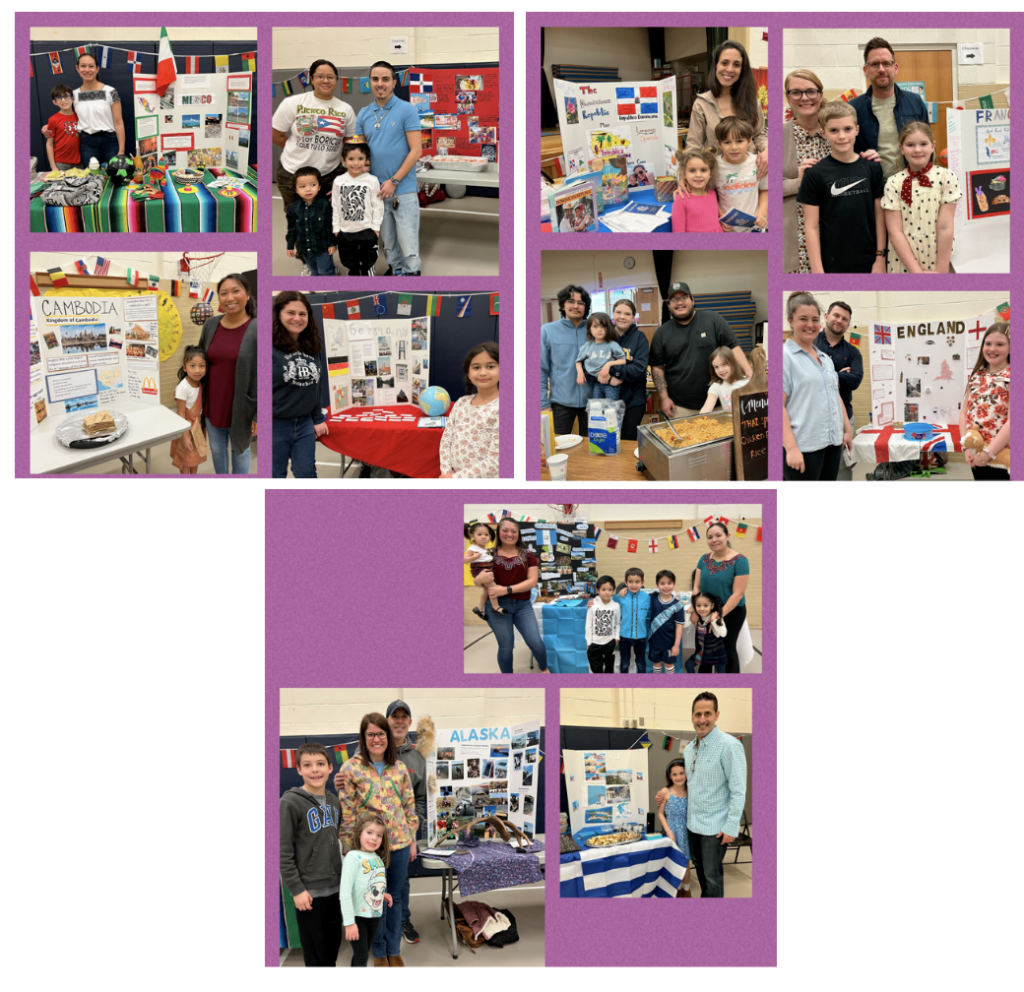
(649, 868)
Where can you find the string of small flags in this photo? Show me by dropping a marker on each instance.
(346, 84)
(673, 542)
(351, 309)
(133, 277)
(985, 102)
(105, 59)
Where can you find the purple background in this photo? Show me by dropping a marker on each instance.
(317, 591)
(262, 240)
(778, 283)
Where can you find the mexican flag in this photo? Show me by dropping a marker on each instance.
(132, 277)
(165, 74)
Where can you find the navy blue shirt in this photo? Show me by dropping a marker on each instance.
(844, 355)
(633, 391)
(908, 107)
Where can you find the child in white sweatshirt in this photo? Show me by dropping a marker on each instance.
(602, 630)
(358, 211)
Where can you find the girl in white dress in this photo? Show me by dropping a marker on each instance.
(725, 377)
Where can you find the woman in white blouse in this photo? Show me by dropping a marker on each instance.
(469, 444)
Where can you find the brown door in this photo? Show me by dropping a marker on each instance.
(935, 70)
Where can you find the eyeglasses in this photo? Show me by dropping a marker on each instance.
(880, 65)
(802, 94)
(324, 79)
(376, 737)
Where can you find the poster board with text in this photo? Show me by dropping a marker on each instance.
(606, 787)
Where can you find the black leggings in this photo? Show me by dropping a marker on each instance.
(819, 466)
(631, 420)
(320, 931)
(733, 625)
(361, 947)
(986, 473)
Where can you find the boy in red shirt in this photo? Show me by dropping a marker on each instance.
(62, 147)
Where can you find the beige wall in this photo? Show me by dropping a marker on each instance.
(616, 511)
(837, 56)
(113, 35)
(299, 47)
(626, 49)
(687, 43)
(750, 39)
(661, 709)
(339, 711)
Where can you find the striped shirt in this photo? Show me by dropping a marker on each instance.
(716, 780)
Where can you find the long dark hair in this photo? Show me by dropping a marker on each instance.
(744, 90)
(519, 534)
(675, 763)
(391, 754)
(715, 601)
(491, 347)
(565, 294)
(611, 332)
(309, 338)
(384, 851)
(250, 303)
(192, 351)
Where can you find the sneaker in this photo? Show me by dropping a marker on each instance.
(410, 273)
(409, 933)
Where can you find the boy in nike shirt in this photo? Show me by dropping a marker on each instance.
(842, 198)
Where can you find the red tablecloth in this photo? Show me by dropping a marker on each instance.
(400, 447)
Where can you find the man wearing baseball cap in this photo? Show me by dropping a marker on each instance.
(681, 353)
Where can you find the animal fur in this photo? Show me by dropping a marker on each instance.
(973, 441)
(425, 746)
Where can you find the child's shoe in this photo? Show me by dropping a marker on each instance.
(396, 961)
(409, 933)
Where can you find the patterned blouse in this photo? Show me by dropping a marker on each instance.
(807, 146)
(717, 577)
(469, 444)
(988, 401)
(921, 218)
(390, 794)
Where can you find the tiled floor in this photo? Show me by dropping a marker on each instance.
(481, 657)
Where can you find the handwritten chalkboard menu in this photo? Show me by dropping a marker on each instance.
(750, 435)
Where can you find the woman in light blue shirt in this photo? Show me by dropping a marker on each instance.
(815, 427)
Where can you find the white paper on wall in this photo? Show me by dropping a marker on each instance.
(606, 787)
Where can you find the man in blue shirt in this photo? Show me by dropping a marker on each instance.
(559, 345)
(392, 130)
(845, 357)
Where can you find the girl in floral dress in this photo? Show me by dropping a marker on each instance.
(986, 404)
(469, 444)
(673, 814)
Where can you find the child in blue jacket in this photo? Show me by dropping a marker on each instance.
(635, 608)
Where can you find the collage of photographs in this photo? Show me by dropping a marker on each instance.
(685, 382)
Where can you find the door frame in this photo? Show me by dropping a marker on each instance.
(925, 47)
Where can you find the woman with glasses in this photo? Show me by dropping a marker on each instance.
(374, 780)
(802, 145)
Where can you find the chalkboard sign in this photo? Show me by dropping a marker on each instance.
(750, 422)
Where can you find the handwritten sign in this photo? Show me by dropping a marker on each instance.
(750, 422)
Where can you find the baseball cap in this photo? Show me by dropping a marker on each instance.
(398, 704)
(678, 287)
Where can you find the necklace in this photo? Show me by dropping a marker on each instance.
(379, 119)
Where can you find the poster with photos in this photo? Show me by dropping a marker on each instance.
(567, 554)
(606, 787)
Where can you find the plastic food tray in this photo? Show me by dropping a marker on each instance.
(459, 163)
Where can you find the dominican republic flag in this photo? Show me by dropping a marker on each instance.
(208, 296)
(692, 533)
(288, 757)
(652, 546)
(883, 334)
(328, 311)
(81, 268)
(631, 547)
(165, 74)
(191, 65)
(353, 308)
(417, 84)
(464, 306)
(57, 277)
(613, 540)
(380, 307)
(330, 125)
(133, 59)
(103, 56)
(102, 266)
(636, 99)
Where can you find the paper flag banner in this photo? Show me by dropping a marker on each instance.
(34, 285)
(597, 533)
(104, 53)
(249, 65)
(81, 268)
(55, 66)
(208, 296)
(631, 547)
(759, 533)
(57, 276)
(494, 304)
(340, 753)
(328, 311)
(154, 281)
(709, 520)
(855, 338)
(194, 285)
(724, 520)
(652, 546)
(741, 530)
(493, 519)
(613, 541)
(288, 758)
(673, 540)
(644, 741)
(102, 266)
(352, 306)
(222, 64)
(666, 743)
(505, 513)
(404, 307)
(81, 50)
(191, 64)
(433, 306)
(31, 68)
(692, 533)
(848, 95)
(134, 60)
(132, 277)
(364, 84)
(302, 77)
(1003, 310)
(380, 306)
(985, 102)
(464, 306)
(346, 84)
(175, 287)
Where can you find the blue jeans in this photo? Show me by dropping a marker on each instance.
(605, 391)
(707, 854)
(295, 441)
(387, 942)
(400, 232)
(102, 146)
(321, 265)
(639, 651)
(519, 614)
(220, 446)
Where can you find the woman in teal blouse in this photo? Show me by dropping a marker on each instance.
(725, 574)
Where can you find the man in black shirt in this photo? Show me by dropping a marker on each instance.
(845, 357)
(681, 353)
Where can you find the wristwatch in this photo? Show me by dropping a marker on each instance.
(394, 180)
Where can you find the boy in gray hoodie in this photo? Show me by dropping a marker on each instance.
(311, 857)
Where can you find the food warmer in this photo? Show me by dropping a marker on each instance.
(709, 461)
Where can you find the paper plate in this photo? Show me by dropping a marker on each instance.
(563, 441)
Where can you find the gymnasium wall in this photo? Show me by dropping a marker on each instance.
(138, 34)
(659, 709)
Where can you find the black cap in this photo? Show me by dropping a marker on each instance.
(678, 287)
(399, 704)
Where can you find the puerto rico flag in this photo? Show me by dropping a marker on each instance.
(636, 100)
(883, 334)
(330, 125)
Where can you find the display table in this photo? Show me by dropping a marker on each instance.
(492, 866)
(204, 210)
(642, 195)
(872, 445)
(398, 447)
(149, 424)
(648, 868)
(457, 177)
(582, 466)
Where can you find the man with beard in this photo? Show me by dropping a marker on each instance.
(681, 353)
(847, 360)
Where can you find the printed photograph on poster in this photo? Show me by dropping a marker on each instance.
(457, 769)
(83, 338)
(362, 392)
(469, 83)
(527, 776)
(482, 132)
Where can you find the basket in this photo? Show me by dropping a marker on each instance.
(187, 177)
(460, 163)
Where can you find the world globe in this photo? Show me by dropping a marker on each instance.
(201, 313)
(434, 401)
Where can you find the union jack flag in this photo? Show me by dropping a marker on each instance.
(883, 334)
(330, 125)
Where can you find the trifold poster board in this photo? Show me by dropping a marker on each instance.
(633, 120)
(202, 120)
(91, 351)
(377, 362)
(606, 787)
(567, 553)
(486, 770)
(458, 110)
(919, 370)
(978, 152)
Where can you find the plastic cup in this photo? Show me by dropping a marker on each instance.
(557, 466)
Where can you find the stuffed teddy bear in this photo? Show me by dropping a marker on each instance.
(973, 441)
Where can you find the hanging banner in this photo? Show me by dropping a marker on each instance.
(606, 788)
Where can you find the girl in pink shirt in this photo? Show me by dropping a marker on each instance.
(696, 204)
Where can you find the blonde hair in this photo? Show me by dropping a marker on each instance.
(909, 129)
(803, 74)
(833, 110)
(725, 353)
(706, 155)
